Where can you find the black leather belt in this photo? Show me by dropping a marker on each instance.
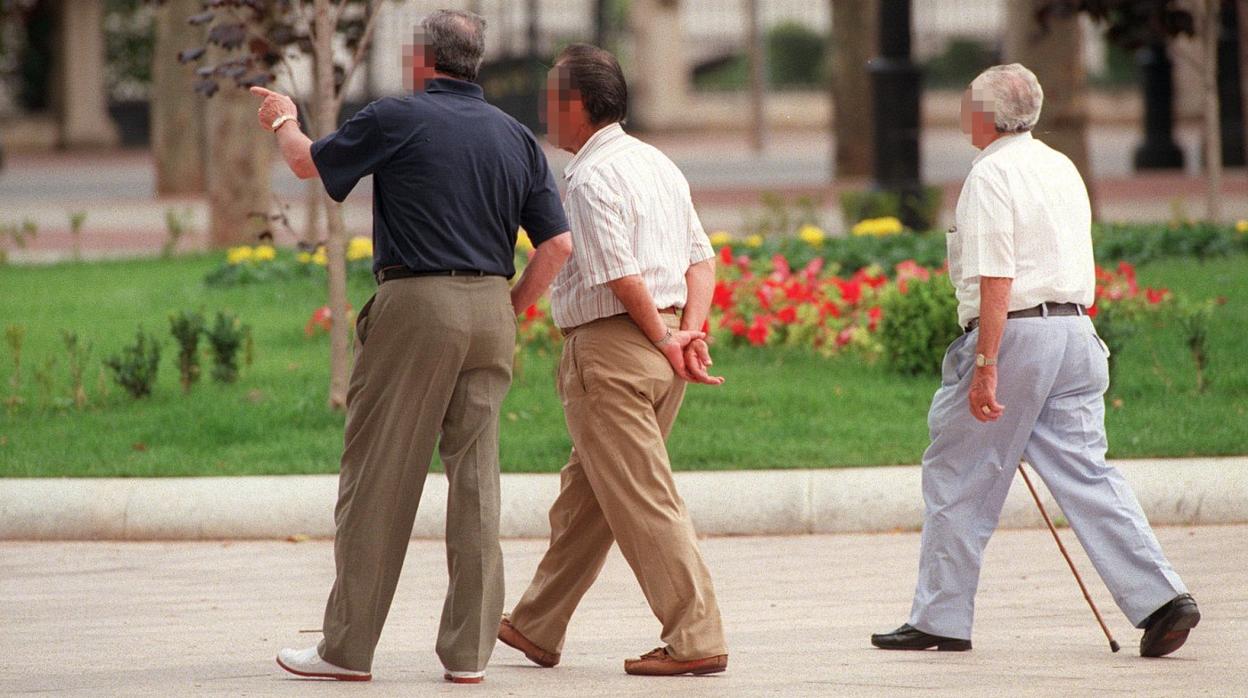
(392, 273)
(1042, 310)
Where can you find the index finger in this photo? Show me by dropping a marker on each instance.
(262, 92)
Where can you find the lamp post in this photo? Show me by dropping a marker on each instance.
(896, 86)
(1158, 151)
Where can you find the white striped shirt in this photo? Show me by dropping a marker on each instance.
(630, 212)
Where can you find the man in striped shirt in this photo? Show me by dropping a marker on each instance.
(631, 301)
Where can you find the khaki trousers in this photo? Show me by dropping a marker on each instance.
(433, 355)
(620, 398)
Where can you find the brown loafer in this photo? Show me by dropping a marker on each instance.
(510, 636)
(659, 663)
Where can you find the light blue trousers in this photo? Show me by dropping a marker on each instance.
(1051, 377)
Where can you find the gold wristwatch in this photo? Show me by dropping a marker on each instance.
(981, 361)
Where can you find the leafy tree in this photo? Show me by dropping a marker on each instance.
(254, 42)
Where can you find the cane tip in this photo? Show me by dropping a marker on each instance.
(1113, 645)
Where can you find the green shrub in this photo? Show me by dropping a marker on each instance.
(918, 324)
(795, 55)
(962, 59)
(1194, 321)
(1139, 243)
(135, 368)
(225, 338)
(860, 205)
(76, 355)
(186, 328)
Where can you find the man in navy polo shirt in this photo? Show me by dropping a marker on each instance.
(453, 179)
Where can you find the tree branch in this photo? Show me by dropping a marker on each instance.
(374, 9)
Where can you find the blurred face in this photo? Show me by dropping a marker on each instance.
(418, 64)
(563, 112)
(978, 119)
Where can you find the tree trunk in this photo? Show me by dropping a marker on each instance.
(336, 243)
(853, 41)
(1209, 28)
(1242, 6)
(1055, 55)
(177, 115)
(239, 165)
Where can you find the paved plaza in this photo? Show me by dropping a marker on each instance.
(172, 619)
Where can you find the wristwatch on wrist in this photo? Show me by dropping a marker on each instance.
(277, 123)
(666, 340)
(981, 361)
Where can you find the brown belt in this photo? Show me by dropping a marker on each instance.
(1042, 310)
(673, 310)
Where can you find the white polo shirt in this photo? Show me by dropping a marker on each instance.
(1023, 214)
(630, 214)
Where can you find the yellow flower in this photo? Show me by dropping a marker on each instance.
(264, 253)
(719, 238)
(811, 235)
(1242, 226)
(523, 243)
(887, 225)
(755, 241)
(320, 258)
(304, 258)
(238, 255)
(359, 248)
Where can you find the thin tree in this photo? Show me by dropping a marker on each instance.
(262, 38)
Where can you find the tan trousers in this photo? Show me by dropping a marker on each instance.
(620, 398)
(433, 355)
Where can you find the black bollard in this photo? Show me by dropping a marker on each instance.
(896, 89)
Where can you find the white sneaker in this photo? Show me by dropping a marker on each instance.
(464, 676)
(308, 662)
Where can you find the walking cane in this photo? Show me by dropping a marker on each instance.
(1113, 644)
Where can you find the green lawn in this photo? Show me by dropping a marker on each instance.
(777, 410)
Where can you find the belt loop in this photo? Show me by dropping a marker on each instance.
(1044, 310)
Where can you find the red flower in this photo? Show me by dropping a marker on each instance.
(321, 319)
(759, 330)
(829, 309)
(532, 312)
(1092, 311)
(780, 270)
(812, 270)
(764, 295)
(1156, 295)
(722, 297)
(725, 254)
(787, 315)
(851, 291)
(844, 336)
(874, 316)
(738, 327)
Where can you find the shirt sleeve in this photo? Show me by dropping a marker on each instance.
(987, 229)
(600, 237)
(700, 248)
(542, 214)
(351, 153)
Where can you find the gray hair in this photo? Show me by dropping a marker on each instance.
(456, 40)
(1013, 95)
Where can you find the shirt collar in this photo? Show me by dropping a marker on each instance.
(1002, 143)
(605, 135)
(459, 87)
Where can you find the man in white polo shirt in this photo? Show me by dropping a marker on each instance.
(1027, 380)
(631, 301)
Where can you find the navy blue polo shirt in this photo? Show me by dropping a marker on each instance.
(453, 179)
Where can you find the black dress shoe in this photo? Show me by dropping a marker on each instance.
(908, 638)
(1167, 628)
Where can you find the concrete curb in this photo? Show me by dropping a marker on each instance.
(747, 502)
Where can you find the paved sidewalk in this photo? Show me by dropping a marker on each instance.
(206, 618)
